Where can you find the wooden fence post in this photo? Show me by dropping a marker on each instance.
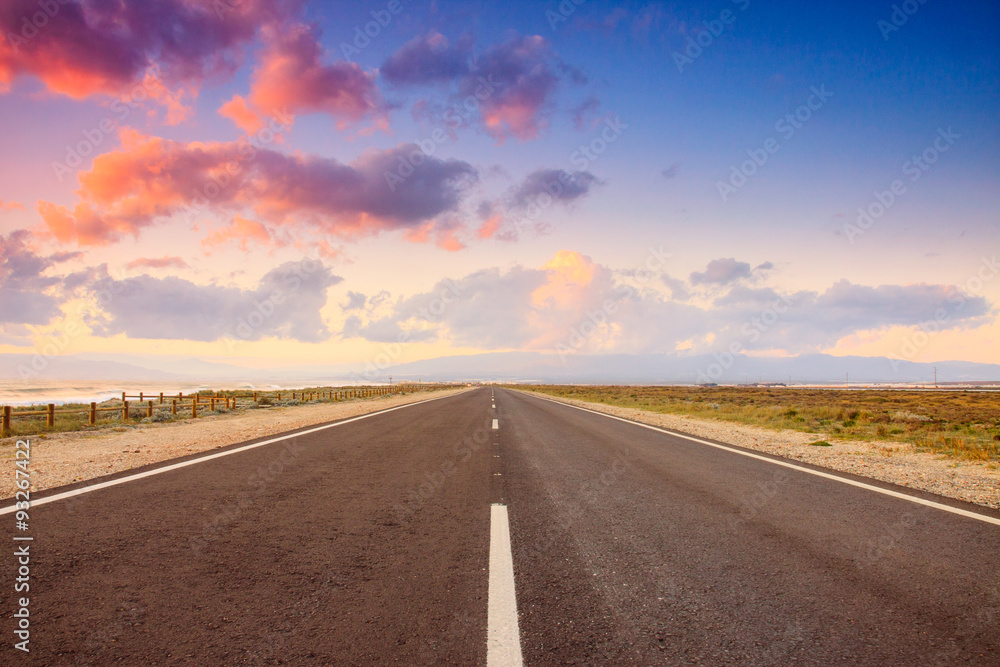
(93, 413)
(50, 416)
(140, 397)
(124, 411)
(149, 409)
(6, 421)
(173, 406)
(194, 406)
(212, 404)
(123, 397)
(161, 397)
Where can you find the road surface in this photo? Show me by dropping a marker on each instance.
(456, 532)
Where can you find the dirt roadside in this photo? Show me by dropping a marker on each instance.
(63, 458)
(894, 462)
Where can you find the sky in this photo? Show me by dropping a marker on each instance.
(272, 183)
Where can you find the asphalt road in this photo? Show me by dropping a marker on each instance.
(370, 543)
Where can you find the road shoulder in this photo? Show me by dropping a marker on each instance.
(895, 463)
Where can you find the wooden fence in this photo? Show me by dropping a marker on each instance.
(190, 404)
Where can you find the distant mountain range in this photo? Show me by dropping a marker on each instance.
(697, 369)
(519, 367)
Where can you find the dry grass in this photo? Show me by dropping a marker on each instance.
(959, 424)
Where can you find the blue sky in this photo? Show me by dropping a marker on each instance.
(671, 123)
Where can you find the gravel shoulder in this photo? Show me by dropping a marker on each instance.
(64, 458)
(893, 462)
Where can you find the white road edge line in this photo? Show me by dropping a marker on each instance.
(785, 464)
(217, 455)
(496, 424)
(503, 639)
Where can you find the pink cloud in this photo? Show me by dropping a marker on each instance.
(523, 67)
(245, 232)
(240, 113)
(489, 227)
(514, 83)
(82, 48)
(290, 78)
(151, 180)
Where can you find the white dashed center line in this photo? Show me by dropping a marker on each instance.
(503, 639)
(496, 424)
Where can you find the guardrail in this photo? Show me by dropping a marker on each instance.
(191, 403)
